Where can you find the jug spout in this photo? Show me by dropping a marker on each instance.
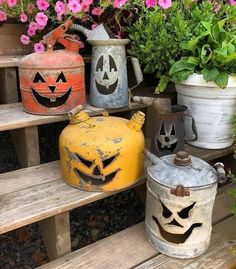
(81, 29)
(137, 121)
(153, 158)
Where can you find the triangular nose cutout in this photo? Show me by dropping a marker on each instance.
(105, 76)
(52, 88)
(96, 171)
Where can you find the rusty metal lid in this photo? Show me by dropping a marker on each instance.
(56, 59)
(182, 169)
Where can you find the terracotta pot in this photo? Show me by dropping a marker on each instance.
(10, 39)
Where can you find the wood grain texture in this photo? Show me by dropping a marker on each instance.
(123, 250)
(36, 193)
(218, 256)
(56, 235)
(12, 116)
(8, 85)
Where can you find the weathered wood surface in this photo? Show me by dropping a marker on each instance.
(12, 116)
(56, 235)
(125, 249)
(13, 61)
(32, 194)
(8, 85)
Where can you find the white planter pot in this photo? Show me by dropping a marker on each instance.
(212, 108)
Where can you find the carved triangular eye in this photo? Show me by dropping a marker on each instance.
(112, 64)
(172, 130)
(99, 66)
(184, 213)
(38, 78)
(162, 131)
(84, 161)
(166, 213)
(61, 78)
(109, 160)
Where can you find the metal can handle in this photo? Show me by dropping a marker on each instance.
(194, 128)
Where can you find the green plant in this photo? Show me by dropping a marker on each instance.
(232, 192)
(186, 38)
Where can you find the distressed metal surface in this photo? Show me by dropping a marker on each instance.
(212, 109)
(102, 153)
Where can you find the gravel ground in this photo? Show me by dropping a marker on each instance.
(24, 248)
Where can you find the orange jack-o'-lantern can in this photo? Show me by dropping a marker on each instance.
(52, 82)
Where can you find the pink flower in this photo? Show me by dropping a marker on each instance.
(33, 25)
(30, 8)
(42, 4)
(39, 47)
(3, 16)
(97, 11)
(31, 31)
(94, 26)
(217, 8)
(232, 2)
(11, 3)
(23, 17)
(25, 39)
(60, 9)
(87, 2)
(85, 7)
(119, 3)
(165, 3)
(41, 19)
(2, 1)
(151, 3)
(74, 6)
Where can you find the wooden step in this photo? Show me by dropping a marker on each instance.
(12, 116)
(129, 248)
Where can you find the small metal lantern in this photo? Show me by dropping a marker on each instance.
(52, 82)
(181, 192)
(102, 153)
(109, 81)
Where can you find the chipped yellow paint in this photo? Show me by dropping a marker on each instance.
(102, 153)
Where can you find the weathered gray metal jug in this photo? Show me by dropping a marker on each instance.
(181, 192)
(108, 82)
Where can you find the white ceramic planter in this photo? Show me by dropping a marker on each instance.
(212, 108)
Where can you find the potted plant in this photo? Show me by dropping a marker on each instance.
(193, 44)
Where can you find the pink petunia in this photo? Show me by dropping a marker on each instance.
(38, 47)
(25, 39)
(31, 31)
(23, 17)
(232, 2)
(41, 19)
(3, 16)
(30, 8)
(60, 9)
(85, 7)
(11, 3)
(2, 2)
(33, 25)
(119, 3)
(87, 2)
(165, 3)
(94, 26)
(97, 11)
(151, 3)
(42, 5)
(217, 8)
(74, 6)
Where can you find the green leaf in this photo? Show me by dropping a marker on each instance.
(162, 84)
(181, 75)
(222, 80)
(193, 60)
(206, 53)
(207, 25)
(181, 65)
(210, 74)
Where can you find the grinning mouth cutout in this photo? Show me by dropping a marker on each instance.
(105, 90)
(175, 238)
(51, 102)
(95, 180)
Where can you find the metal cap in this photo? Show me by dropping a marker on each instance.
(182, 158)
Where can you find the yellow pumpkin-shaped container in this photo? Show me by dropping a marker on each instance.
(102, 153)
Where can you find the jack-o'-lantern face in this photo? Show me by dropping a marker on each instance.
(97, 176)
(166, 138)
(175, 226)
(106, 75)
(52, 91)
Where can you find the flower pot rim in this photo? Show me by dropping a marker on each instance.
(198, 80)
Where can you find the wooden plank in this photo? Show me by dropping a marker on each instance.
(219, 254)
(8, 85)
(56, 235)
(123, 250)
(209, 154)
(36, 193)
(13, 61)
(27, 145)
(12, 116)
